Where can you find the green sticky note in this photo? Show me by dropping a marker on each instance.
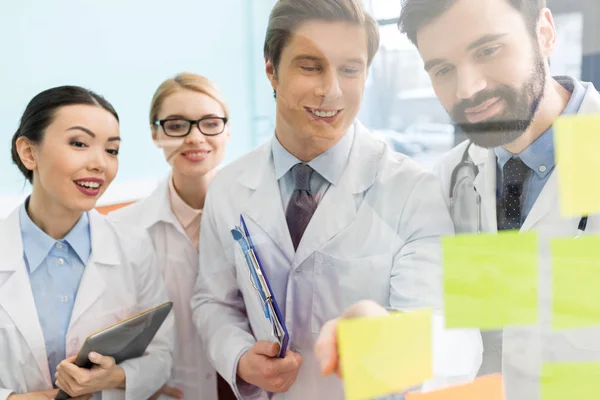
(577, 140)
(575, 282)
(490, 280)
(384, 355)
(570, 381)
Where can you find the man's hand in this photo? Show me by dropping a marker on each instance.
(261, 367)
(167, 391)
(75, 381)
(326, 349)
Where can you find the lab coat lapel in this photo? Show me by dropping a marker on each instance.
(544, 204)
(16, 296)
(264, 205)
(338, 207)
(104, 253)
(485, 184)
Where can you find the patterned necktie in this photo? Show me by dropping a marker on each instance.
(509, 206)
(302, 205)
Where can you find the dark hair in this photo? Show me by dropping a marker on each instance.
(40, 113)
(416, 13)
(288, 14)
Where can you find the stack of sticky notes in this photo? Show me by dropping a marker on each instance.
(577, 140)
(488, 387)
(490, 280)
(384, 355)
(561, 381)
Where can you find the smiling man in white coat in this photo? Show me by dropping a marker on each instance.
(335, 215)
(488, 63)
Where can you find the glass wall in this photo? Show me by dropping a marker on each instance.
(400, 105)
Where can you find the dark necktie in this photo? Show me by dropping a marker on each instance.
(302, 205)
(509, 205)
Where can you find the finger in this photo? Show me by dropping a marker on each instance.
(172, 392)
(84, 397)
(364, 308)
(290, 363)
(65, 383)
(326, 347)
(77, 374)
(269, 349)
(102, 361)
(70, 359)
(50, 394)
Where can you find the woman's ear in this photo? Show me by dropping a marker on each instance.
(26, 150)
(155, 136)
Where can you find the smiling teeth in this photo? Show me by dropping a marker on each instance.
(89, 185)
(324, 114)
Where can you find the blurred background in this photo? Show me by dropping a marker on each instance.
(124, 49)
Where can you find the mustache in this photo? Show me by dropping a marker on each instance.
(505, 93)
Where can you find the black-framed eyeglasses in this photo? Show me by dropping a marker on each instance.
(179, 127)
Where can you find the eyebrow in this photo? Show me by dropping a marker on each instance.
(177, 116)
(92, 134)
(306, 58)
(314, 58)
(482, 40)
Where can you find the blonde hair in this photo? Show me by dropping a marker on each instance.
(185, 81)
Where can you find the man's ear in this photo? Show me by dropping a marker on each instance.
(271, 73)
(546, 33)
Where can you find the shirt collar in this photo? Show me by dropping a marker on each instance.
(539, 156)
(184, 213)
(330, 165)
(37, 244)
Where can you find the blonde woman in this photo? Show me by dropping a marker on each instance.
(189, 122)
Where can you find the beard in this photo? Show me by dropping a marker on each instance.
(521, 105)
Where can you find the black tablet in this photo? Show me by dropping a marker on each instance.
(124, 340)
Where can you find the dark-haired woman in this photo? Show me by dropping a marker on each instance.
(65, 270)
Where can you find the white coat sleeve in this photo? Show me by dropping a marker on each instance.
(218, 307)
(4, 393)
(417, 282)
(146, 374)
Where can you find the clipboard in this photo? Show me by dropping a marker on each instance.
(262, 287)
(124, 340)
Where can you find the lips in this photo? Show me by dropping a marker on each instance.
(323, 115)
(89, 186)
(195, 155)
(484, 110)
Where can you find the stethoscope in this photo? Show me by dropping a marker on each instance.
(454, 182)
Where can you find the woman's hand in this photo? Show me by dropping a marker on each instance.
(45, 395)
(326, 349)
(75, 381)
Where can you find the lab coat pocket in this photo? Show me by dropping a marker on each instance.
(16, 362)
(341, 282)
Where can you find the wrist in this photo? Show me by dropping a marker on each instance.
(241, 371)
(118, 378)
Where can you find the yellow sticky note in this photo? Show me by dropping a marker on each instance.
(575, 282)
(577, 140)
(489, 387)
(490, 280)
(385, 355)
(562, 381)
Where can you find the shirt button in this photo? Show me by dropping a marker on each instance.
(59, 245)
(543, 168)
(60, 261)
(64, 299)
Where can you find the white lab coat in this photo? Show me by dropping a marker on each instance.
(178, 261)
(120, 279)
(524, 349)
(375, 235)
